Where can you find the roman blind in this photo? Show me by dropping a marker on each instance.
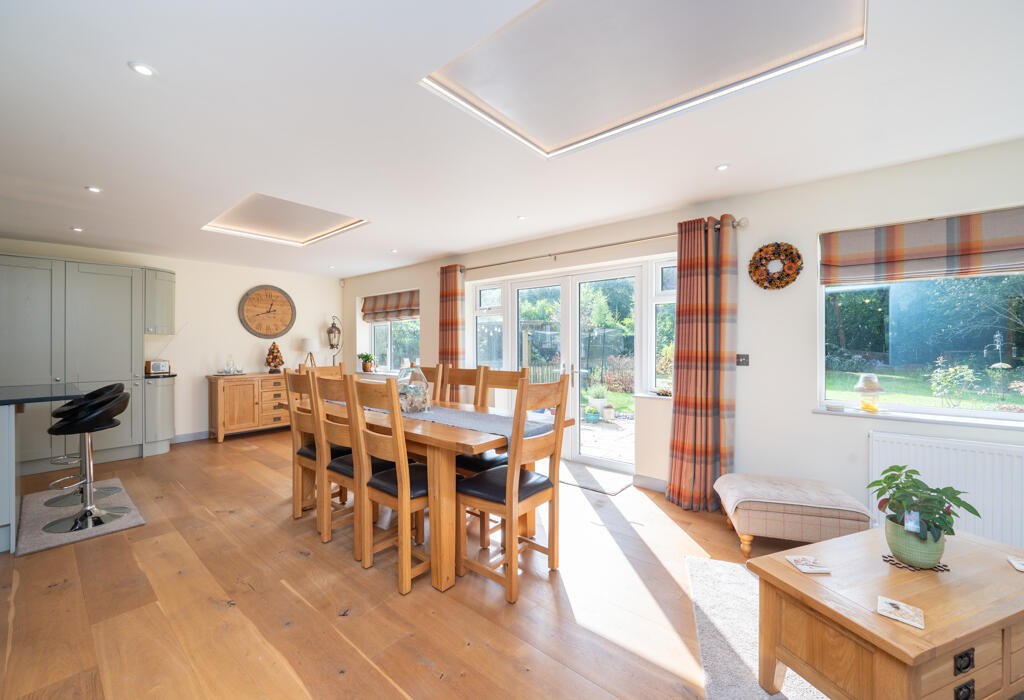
(986, 243)
(398, 306)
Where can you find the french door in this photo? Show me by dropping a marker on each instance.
(584, 325)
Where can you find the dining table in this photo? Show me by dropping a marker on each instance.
(439, 444)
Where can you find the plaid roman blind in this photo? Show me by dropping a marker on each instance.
(990, 242)
(399, 306)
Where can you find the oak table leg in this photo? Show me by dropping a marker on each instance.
(770, 671)
(441, 502)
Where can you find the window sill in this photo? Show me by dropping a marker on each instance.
(933, 419)
(651, 396)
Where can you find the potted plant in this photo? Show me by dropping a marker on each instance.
(367, 359)
(608, 412)
(591, 415)
(919, 516)
(596, 396)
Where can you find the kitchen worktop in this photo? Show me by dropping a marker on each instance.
(35, 393)
(160, 376)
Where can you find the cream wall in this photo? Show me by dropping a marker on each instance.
(206, 316)
(776, 431)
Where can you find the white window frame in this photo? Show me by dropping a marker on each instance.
(474, 289)
(892, 409)
(657, 296)
(373, 339)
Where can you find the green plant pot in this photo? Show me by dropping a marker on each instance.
(910, 549)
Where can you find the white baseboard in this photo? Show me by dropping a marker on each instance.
(649, 482)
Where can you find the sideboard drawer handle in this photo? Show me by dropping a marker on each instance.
(277, 396)
(277, 418)
(963, 662)
(964, 691)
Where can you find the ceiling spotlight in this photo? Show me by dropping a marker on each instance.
(520, 218)
(330, 267)
(77, 229)
(94, 189)
(142, 68)
(722, 168)
(394, 250)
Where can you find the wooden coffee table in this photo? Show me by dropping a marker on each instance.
(826, 629)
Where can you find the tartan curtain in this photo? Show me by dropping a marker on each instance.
(451, 324)
(989, 242)
(704, 386)
(399, 306)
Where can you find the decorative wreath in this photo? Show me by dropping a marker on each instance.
(790, 258)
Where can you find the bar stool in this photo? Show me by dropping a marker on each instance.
(87, 419)
(76, 497)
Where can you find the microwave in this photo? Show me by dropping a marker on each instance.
(158, 367)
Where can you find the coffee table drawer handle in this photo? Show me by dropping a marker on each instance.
(962, 663)
(964, 691)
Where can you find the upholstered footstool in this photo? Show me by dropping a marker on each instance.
(804, 510)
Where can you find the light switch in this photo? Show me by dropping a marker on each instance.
(742, 360)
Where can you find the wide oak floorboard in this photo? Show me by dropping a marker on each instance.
(223, 594)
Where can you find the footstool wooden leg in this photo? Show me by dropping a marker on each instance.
(745, 541)
(728, 521)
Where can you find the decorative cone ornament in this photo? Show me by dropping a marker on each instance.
(274, 359)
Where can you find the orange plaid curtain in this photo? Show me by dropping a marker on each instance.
(990, 242)
(399, 306)
(704, 386)
(451, 324)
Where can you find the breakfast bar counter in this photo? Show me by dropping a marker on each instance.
(10, 398)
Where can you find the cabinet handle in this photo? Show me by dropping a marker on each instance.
(964, 692)
(277, 396)
(963, 662)
(56, 379)
(149, 330)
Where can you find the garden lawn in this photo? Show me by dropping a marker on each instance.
(622, 401)
(911, 391)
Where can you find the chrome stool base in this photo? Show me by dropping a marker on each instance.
(86, 519)
(77, 498)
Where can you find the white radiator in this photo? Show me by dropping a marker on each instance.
(992, 475)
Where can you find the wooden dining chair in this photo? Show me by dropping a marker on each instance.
(298, 388)
(434, 375)
(458, 377)
(337, 370)
(511, 491)
(332, 430)
(403, 488)
(498, 379)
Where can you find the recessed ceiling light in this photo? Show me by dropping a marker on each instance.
(722, 167)
(94, 189)
(77, 229)
(142, 68)
(520, 218)
(394, 250)
(330, 267)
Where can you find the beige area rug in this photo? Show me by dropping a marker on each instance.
(725, 607)
(594, 479)
(34, 515)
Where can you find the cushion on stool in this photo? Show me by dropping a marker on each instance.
(806, 510)
(490, 485)
(387, 481)
(481, 462)
(309, 451)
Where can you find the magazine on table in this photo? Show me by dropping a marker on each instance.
(808, 564)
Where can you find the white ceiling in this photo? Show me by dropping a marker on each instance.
(318, 102)
(565, 70)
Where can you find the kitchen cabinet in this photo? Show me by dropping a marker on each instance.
(32, 309)
(104, 323)
(243, 402)
(159, 302)
(159, 394)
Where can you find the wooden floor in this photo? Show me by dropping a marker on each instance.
(222, 594)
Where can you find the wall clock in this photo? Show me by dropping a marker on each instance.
(266, 311)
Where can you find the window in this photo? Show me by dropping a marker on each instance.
(396, 343)
(487, 327)
(945, 344)
(662, 353)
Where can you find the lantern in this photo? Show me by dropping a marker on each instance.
(870, 390)
(334, 334)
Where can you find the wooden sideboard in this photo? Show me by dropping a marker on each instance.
(240, 403)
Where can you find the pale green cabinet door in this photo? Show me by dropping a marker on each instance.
(159, 409)
(159, 302)
(104, 323)
(32, 309)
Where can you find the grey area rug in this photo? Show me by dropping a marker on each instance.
(593, 479)
(34, 515)
(725, 606)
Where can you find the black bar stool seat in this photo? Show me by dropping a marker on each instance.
(89, 417)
